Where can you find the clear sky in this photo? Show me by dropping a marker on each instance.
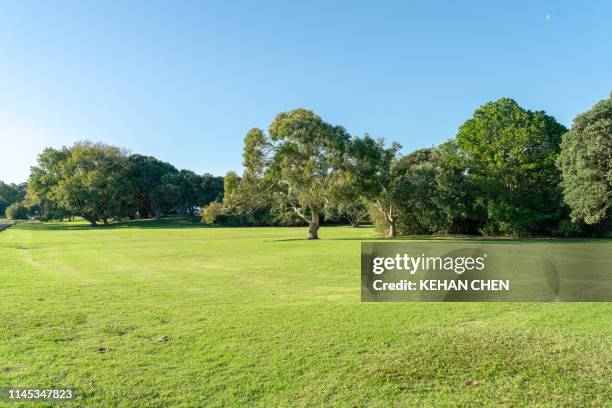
(184, 81)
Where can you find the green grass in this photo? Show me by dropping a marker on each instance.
(259, 316)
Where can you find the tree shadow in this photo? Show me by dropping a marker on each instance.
(162, 223)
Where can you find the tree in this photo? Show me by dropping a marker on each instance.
(144, 174)
(509, 155)
(11, 193)
(89, 180)
(17, 211)
(212, 189)
(297, 162)
(44, 177)
(166, 194)
(346, 199)
(372, 165)
(586, 164)
(190, 194)
(419, 209)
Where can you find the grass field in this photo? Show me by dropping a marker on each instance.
(260, 316)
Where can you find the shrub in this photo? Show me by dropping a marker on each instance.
(211, 212)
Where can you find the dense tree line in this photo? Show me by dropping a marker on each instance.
(98, 182)
(507, 172)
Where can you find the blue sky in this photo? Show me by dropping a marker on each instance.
(184, 81)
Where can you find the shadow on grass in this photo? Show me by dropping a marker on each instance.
(194, 222)
(145, 224)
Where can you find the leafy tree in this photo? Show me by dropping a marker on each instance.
(418, 205)
(346, 199)
(11, 193)
(144, 174)
(89, 181)
(44, 177)
(297, 162)
(586, 164)
(166, 194)
(372, 164)
(509, 155)
(190, 194)
(17, 211)
(212, 189)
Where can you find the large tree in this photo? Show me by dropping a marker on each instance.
(90, 181)
(586, 164)
(509, 155)
(297, 162)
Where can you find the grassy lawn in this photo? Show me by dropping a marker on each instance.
(259, 316)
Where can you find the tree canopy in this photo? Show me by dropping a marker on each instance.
(586, 164)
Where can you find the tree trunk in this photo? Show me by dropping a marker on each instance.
(313, 226)
(392, 229)
(91, 220)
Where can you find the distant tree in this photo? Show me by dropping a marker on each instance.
(297, 162)
(373, 166)
(89, 181)
(509, 155)
(167, 194)
(44, 178)
(11, 193)
(17, 211)
(586, 164)
(190, 194)
(212, 189)
(144, 175)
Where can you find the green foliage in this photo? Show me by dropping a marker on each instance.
(144, 175)
(371, 164)
(97, 182)
(509, 156)
(418, 207)
(211, 212)
(17, 211)
(11, 193)
(212, 189)
(293, 167)
(586, 164)
(90, 181)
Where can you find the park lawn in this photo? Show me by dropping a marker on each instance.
(259, 316)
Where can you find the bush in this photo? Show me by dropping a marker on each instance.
(17, 211)
(211, 212)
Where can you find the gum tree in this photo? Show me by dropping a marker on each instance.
(297, 162)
